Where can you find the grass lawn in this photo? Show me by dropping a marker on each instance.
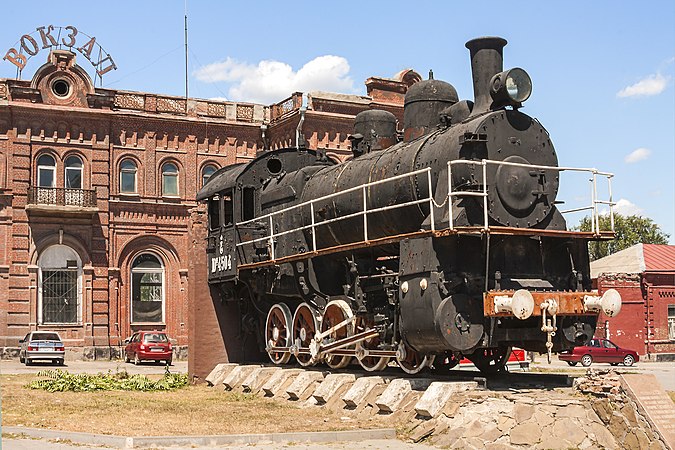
(194, 410)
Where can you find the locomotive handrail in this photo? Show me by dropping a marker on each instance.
(595, 219)
(364, 212)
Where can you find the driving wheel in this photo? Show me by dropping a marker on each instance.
(305, 324)
(278, 333)
(490, 360)
(336, 312)
(411, 361)
(369, 363)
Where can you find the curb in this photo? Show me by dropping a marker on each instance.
(216, 440)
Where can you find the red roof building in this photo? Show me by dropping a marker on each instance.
(644, 275)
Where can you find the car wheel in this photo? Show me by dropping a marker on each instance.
(62, 362)
(628, 360)
(137, 361)
(572, 363)
(169, 361)
(586, 360)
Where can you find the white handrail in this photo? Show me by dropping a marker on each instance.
(483, 192)
(364, 212)
(595, 215)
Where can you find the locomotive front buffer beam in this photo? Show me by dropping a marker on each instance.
(524, 304)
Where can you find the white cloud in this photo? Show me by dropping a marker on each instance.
(271, 81)
(651, 85)
(627, 208)
(637, 155)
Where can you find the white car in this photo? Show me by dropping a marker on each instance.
(42, 345)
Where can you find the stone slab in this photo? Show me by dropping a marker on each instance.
(302, 383)
(257, 378)
(439, 393)
(392, 397)
(360, 390)
(219, 373)
(237, 375)
(653, 402)
(331, 385)
(279, 381)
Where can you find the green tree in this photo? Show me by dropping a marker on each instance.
(629, 230)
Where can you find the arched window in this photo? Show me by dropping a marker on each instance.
(170, 180)
(147, 289)
(46, 171)
(60, 285)
(128, 171)
(207, 171)
(73, 173)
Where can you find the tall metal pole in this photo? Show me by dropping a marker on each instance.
(186, 53)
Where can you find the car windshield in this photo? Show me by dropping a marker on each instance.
(45, 337)
(155, 337)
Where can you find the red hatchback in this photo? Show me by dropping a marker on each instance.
(602, 351)
(148, 345)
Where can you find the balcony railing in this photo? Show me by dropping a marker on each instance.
(82, 198)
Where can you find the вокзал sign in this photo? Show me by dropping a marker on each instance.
(59, 37)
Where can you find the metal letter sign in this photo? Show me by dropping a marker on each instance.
(60, 37)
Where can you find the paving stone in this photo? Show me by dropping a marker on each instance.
(423, 430)
(566, 429)
(504, 424)
(331, 385)
(542, 418)
(237, 375)
(499, 446)
(219, 372)
(438, 394)
(603, 409)
(360, 390)
(618, 426)
(522, 412)
(643, 439)
(257, 378)
(397, 390)
(573, 411)
(525, 434)
(279, 381)
(451, 408)
(603, 436)
(304, 382)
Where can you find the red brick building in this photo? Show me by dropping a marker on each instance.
(644, 275)
(96, 188)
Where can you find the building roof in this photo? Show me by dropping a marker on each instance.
(637, 259)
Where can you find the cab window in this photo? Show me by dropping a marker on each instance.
(214, 213)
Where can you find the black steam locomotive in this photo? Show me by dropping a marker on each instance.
(444, 245)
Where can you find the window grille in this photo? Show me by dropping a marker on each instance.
(59, 296)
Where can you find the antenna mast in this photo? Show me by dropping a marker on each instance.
(186, 53)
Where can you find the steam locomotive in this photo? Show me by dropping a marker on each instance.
(445, 245)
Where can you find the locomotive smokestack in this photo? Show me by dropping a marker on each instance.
(486, 61)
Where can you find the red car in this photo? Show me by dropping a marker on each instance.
(602, 351)
(148, 345)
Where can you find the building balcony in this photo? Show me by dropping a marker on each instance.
(43, 200)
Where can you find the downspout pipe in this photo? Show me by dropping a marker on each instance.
(298, 130)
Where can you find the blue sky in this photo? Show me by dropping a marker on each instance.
(603, 71)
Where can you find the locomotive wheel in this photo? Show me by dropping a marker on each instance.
(412, 362)
(278, 333)
(337, 311)
(369, 363)
(305, 324)
(444, 363)
(490, 360)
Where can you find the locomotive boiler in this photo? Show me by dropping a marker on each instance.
(445, 245)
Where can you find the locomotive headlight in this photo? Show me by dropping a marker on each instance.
(511, 87)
